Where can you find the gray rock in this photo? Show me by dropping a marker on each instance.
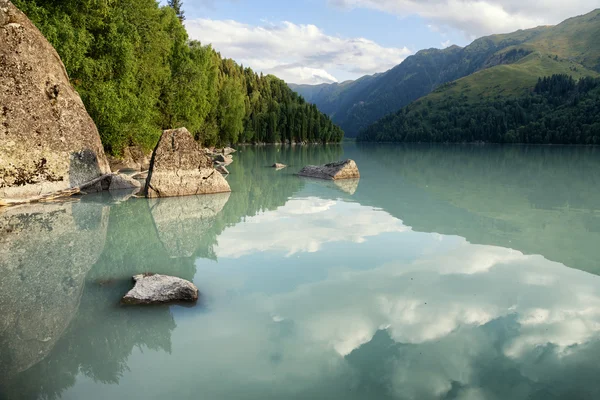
(160, 289)
(48, 141)
(279, 166)
(228, 150)
(222, 169)
(121, 182)
(179, 167)
(334, 171)
(225, 159)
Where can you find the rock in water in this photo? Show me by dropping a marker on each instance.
(48, 142)
(225, 159)
(279, 166)
(179, 167)
(335, 171)
(159, 289)
(228, 150)
(122, 182)
(222, 169)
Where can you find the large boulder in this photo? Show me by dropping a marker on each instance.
(333, 171)
(160, 289)
(48, 141)
(179, 167)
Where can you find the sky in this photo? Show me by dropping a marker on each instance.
(325, 41)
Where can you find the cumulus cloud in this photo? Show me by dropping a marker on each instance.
(479, 17)
(295, 53)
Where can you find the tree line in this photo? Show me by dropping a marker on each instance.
(559, 110)
(138, 73)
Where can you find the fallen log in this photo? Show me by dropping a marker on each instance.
(54, 196)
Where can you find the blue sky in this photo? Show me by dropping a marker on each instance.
(315, 41)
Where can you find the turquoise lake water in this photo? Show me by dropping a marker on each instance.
(445, 272)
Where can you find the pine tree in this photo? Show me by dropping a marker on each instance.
(177, 5)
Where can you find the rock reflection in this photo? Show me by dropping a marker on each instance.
(46, 251)
(182, 222)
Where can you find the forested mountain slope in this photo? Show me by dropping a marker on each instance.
(138, 73)
(560, 110)
(508, 64)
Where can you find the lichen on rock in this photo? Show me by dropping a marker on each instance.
(49, 142)
(179, 167)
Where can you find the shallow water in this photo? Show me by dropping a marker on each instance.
(446, 272)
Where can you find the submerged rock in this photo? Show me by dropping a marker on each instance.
(279, 166)
(179, 167)
(160, 289)
(48, 142)
(338, 170)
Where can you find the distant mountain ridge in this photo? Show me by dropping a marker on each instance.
(571, 47)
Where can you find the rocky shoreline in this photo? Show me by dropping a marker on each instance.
(51, 148)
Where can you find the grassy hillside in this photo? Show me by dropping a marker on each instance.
(497, 65)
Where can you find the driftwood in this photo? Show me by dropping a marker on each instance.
(54, 196)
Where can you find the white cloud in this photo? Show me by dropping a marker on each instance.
(446, 43)
(479, 17)
(295, 53)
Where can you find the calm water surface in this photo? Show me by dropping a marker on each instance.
(446, 272)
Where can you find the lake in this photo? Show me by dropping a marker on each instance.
(446, 272)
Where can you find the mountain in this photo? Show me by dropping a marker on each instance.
(506, 64)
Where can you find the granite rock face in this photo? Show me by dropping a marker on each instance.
(160, 289)
(179, 167)
(333, 171)
(48, 140)
(46, 251)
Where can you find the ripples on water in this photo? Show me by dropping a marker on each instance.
(446, 272)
